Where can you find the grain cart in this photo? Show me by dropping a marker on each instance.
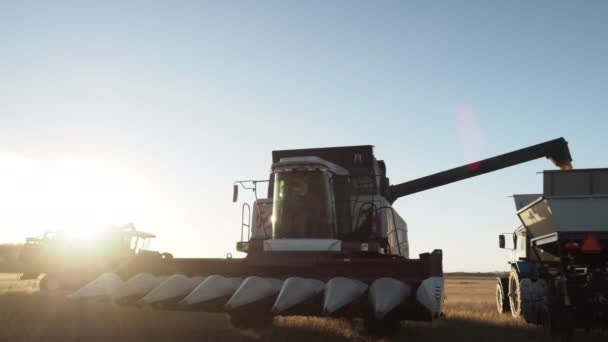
(559, 266)
(325, 241)
(69, 262)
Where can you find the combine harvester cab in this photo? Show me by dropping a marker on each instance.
(326, 241)
(559, 273)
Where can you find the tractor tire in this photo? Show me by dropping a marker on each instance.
(49, 282)
(502, 298)
(515, 294)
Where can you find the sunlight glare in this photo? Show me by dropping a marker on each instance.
(76, 196)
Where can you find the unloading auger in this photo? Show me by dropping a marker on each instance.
(325, 241)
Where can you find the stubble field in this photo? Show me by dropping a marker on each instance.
(27, 315)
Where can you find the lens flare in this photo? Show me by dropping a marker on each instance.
(470, 133)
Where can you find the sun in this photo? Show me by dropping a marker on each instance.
(76, 196)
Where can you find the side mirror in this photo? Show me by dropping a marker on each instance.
(501, 241)
(235, 193)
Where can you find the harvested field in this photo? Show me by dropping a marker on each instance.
(27, 315)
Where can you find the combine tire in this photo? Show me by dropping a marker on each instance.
(49, 282)
(502, 299)
(515, 294)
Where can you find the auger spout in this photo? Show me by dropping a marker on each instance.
(555, 150)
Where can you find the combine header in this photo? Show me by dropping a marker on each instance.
(326, 241)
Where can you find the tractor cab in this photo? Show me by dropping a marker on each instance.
(518, 246)
(134, 239)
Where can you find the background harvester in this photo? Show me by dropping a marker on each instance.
(325, 241)
(559, 265)
(69, 262)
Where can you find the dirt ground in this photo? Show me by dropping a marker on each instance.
(27, 315)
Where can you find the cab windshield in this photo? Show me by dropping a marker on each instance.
(303, 205)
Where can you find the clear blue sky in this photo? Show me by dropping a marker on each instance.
(160, 106)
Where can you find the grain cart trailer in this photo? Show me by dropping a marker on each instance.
(559, 267)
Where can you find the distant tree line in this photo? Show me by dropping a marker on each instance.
(9, 254)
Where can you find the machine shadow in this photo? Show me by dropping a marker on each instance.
(460, 329)
(446, 329)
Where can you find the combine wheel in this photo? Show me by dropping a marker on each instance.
(502, 298)
(242, 320)
(515, 294)
(49, 282)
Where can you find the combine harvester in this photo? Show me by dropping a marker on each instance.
(559, 266)
(334, 246)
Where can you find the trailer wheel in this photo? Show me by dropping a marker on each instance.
(49, 282)
(502, 299)
(515, 294)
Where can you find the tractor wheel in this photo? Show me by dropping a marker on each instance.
(515, 294)
(49, 282)
(255, 321)
(502, 299)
